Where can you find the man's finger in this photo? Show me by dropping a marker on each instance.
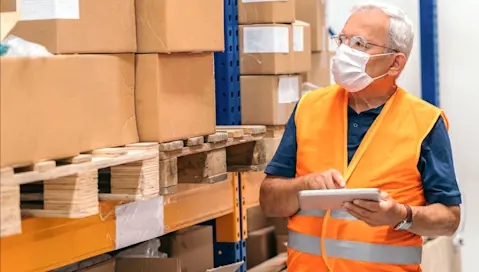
(371, 206)
(350, 207)
(338, 179)
(329, 182)
(357, 215)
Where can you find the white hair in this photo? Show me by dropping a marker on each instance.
(401, 33)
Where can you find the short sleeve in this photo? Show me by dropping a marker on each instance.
(437, 167)
(283, 163)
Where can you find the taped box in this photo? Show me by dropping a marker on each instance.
(313, 12)
(76, 26)
(320, 74)
(266, 11)
(268, 100)
(173, 92)
(56, 107)
(275, 49)
(166, 26)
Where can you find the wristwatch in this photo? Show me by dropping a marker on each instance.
(407, 222)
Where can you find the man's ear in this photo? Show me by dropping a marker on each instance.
(398, 64)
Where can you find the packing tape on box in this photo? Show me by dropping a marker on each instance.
(139, 221)
(266, 39)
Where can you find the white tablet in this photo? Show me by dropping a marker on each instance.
(334, 199)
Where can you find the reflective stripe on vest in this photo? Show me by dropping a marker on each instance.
(336, 214)
(355, 251)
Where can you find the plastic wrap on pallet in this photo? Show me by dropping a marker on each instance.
(18, 47)
(139, 221)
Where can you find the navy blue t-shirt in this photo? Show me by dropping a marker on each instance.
(435, 163)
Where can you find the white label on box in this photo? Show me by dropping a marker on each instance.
(266, 39)
(288, 89)
(255, 1)
(298, 38)
(48, 9)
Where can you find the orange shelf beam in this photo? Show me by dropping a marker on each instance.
(49, 243)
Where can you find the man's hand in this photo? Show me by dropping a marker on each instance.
(327, 180)
(386, 212)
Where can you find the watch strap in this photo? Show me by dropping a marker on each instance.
(408, 214)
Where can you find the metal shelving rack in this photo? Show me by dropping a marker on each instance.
(429, 51)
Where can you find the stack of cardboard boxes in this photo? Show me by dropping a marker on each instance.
(124, 71)
(274, 49)
(313, 12)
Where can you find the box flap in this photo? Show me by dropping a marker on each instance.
(7, 21)
(227, 268)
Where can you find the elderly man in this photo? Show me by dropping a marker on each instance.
(365, 132)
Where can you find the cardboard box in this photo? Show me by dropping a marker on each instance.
(55, 107)
(266, 11)
(107, 266)
(175, 96)
(275, 264)
(256, 219)
(268, 100)
(280, 225)
(192, 246)
(313, 12)
(260, 246)
(166, 26)
(163, 265)
(85, 26)
(281, 243)
(275, 49)
(320, 74)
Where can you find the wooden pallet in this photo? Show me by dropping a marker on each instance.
(208, 159)
(69, 188)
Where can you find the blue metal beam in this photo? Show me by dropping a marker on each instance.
(429, 51)
(227, 81)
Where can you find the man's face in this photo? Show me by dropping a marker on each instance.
(373, 27)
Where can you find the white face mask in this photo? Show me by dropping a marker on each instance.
(349, 68)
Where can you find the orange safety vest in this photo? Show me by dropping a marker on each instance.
(387, 158)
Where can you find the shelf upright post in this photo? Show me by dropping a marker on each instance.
(429, 51)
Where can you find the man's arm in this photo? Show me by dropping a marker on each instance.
(279, 196)
(279, 190)
(443, 214)
(435, 220)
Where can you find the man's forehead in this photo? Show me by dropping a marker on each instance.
(371, 24)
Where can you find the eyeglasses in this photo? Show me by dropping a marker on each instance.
(358, 42)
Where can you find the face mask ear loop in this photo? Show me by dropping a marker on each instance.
(376, 78)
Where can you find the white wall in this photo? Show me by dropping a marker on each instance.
(458, 28)
(338, 12)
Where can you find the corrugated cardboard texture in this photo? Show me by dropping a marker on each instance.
(267, 12)
(148, 265)
(280, 225)
(180, 26)
(281, 242)
(320, 74)
(259, 101)
(313, 13)
(260, 246)
(193, 246)
(256, 219)
(276, 63)
(56, 107)
(106, 26)
(174, 92)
